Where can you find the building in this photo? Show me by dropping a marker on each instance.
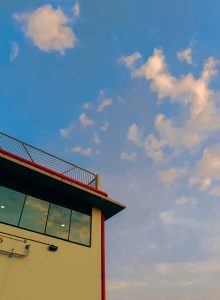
(52, 216)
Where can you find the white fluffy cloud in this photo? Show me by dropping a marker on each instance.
(187, 89)
(82, 151)
(14, 51)
(48, 28)
(202, 118)
(128, 156)
(86, 121)
(104, 103)
(185, 55)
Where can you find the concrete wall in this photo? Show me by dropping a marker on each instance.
(73, 272)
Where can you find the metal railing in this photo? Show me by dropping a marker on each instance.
(49, 161)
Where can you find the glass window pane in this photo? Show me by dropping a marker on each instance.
(80, 228)
(11, 203)
(34, 215)
(58, 221)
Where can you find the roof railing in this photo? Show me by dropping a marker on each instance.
(47, 160)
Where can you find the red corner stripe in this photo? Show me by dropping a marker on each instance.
(53, 172)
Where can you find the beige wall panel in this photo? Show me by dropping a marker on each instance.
(73, 272)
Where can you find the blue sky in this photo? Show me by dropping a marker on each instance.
(129, 89)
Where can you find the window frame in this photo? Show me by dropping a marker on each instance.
(28, 192)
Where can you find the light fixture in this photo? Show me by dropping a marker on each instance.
(2, 206)
(62, 225)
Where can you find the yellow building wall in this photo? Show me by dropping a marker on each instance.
(72, 272)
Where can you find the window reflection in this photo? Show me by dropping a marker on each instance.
(58, 221)
(11, 203)
(34, 215)
(80, 228)
(44, 217)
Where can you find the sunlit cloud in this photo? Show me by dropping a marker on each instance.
(48, 28)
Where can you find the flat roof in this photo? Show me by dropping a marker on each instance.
(18, 167)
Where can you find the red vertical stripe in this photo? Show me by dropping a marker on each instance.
(103, 256)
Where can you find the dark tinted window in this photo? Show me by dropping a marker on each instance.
(58, 221)
(34, 215)
(80, 228)
(11, 204)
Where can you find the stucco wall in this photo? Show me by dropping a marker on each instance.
(73, 272)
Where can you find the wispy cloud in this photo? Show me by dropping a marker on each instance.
(104, 126)
(66, 132)
(185, 55)
(76, 10)
(168, 176)
(104, 104)
(96, 139)
(129, 61)
(48, 28)
(83, 151)
(14, 51)
(132, 156)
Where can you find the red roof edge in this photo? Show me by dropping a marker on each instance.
(53, 172)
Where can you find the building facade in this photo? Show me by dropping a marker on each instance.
(52, 216)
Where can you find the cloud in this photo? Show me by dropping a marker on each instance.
(48, 28)
(14, 51)
(209, 165)
(215, 191)
(82, 151)
(134, 135)
(201, 267)
(104, 126)
(170, 217)
(129, 61)
(76, 10)
(96, 138)
(168, 176)
(186, 90)
(104, 103)
(206, 183)
(85, 121)
(201, 119)
(65, 132)
(185, 55)
(182, 201)
(128, 156)
(87, 105)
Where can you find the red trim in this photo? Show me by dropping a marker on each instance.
(103, 257)
(53, 172)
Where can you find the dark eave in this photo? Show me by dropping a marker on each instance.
(47, 179)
